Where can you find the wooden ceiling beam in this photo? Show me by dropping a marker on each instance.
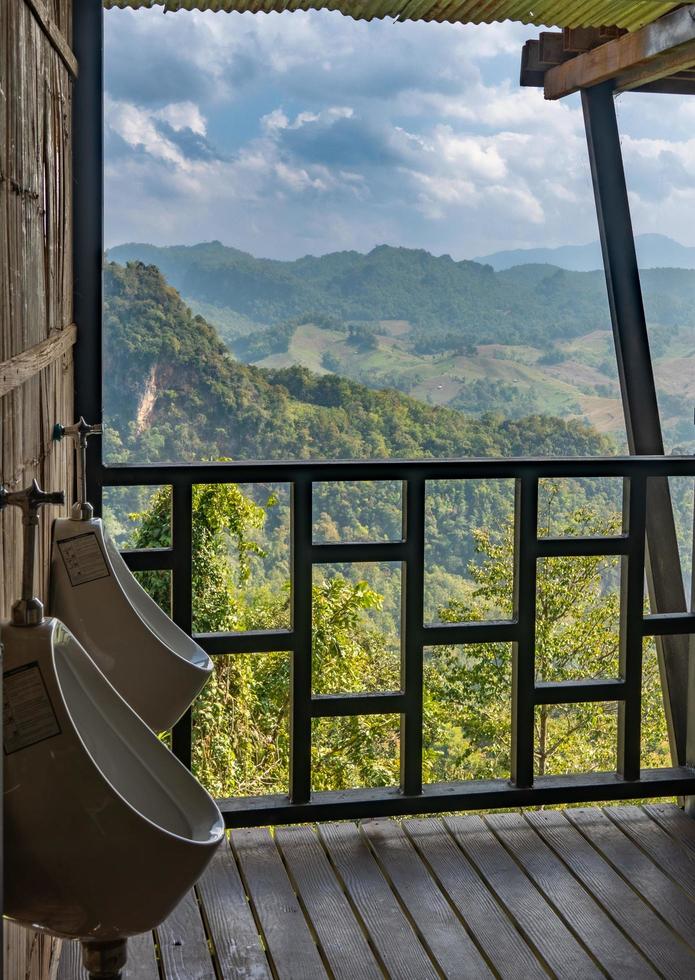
(641, 58)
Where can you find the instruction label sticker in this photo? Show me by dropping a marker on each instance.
(84, 559)
(28, 713)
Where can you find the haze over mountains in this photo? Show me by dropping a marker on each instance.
(653, 252)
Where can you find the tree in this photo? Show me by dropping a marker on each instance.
(576, 639)
(241, 720)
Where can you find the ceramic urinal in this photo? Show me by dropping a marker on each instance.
(105, 830)
(153, 664)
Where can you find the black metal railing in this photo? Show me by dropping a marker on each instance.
(628, 781)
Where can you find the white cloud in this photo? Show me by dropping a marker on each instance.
(284, 134)
(138, 129)
(183, 115)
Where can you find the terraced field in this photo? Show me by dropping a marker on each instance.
(579, 380)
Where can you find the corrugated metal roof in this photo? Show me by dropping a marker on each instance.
(630, 14)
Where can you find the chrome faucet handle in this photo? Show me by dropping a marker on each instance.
(28, 611)
(80, 432)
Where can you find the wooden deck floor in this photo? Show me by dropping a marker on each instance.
(577, 893)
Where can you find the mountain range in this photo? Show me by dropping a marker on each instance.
(531, 339)
(653, 252)
(173, 392)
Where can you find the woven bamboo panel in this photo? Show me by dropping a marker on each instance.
(35, 302)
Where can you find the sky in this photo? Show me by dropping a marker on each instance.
(293, 134)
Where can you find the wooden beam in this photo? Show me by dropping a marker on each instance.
(20, 368)
(682, 83)
(654, 52)
(48, 25)
(539, 56)
(578, 39)
(551, 48)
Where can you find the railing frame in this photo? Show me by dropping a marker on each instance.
(629, 781)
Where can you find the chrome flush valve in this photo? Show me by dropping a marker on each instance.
(28, 611)
(80, 432)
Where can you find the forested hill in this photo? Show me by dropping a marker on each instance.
(173, 392)
(526, 304)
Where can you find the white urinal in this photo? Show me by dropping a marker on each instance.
(105, 830)
(153, 664)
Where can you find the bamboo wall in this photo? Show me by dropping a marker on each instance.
(36, 331)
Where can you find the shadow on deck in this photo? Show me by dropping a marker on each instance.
(575, 893)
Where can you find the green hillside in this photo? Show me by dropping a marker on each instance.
(531, 339)
(436, 294)
(520, 305)
(172, 392)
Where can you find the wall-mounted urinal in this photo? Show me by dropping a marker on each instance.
(153, 664)
(105, 830)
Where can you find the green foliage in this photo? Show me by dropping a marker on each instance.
(241, 719)
(361, 336)
(552, 356)
(272, 340)
(172, 392)
(576, 639)
(241, 743)
(466, 300)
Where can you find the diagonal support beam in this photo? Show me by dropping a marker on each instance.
(662, 48)
(664, 578)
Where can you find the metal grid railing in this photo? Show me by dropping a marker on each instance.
(628, 781)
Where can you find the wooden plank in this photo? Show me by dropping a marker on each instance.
(648, 835)
(658, 943)
(142, 959)
(27, 954)
(606, 943)
(21, 367)
(35, 295)
(229, 922)
(672, 904)
(340, 936)
(290, 945)
(675, 821)
(43, 15)
(492, 928)
(656, 50)
(396, 944)
(140, 965)
(183, 945)
(535, 917)
(70, 965)
(440, 928)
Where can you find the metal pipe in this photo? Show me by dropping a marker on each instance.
(80, 432)
(104, 960)
(28, 610)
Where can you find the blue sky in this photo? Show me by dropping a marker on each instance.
(288, 134)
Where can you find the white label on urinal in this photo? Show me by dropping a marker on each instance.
(28, 713)
(84, 559)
